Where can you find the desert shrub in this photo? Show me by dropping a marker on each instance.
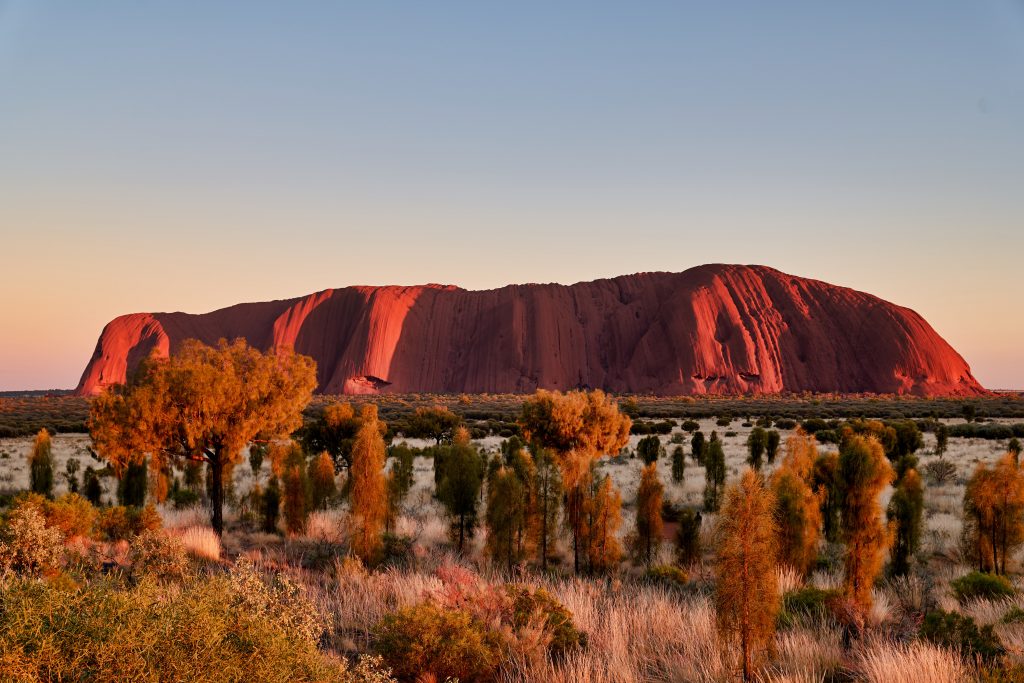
(954, 630)
(446, 643)
(202, 631)
(27, 545)
(1014, 615)
(807, 602)
(667, 575)
(688, 536)
(981, 585)
(649, 448)
(690, 426)
(131, 489)
(119, 523)
(72, 514)
(271, 507)
(536, 605)
(92, 488)
(939, 472)
(155, 553)
(40, 463)
(723, 421)
(785, 423)
(278, 600)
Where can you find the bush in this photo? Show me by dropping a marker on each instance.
(981, 585)
(785, 423)
(155, 553)
(953, 630)
(107, 632)
(120, 523)
(27, 545)
(808, 601)
(536, 605)
(939, 472)
(446, 643)
(667, 575)
(72, 514)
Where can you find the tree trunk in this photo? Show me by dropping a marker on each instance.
(217, 493)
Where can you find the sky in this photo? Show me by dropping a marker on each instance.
(168, 156)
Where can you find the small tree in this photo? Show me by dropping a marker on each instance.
(747, 591)
(904, 512)
(697, 447)
(649, 523)
(399, 481)
(714, 473)
(368, 487)
(548, 488)
(296, 490)
(797, 507)
(505, 516)
(826, 485)
(322, 486)
(1013, 448)
(771, 448)
(71, 474)
(864, 472)
(131, 489)
(649, 448)
(678, 464)
(941, 439)
(461, 481)
(40, 465)
(994, 514)
(688, 536)
(271, 501)
(756, 443)
(334, 430)
(92, 486)
(437, 423)
(603, 517)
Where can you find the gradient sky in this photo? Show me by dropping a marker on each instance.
(166, 156)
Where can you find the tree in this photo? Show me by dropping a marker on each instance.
(399, 481)
(40, 465)
(747, 592)
(203, 404)
(578, 428)
(688, 536)
(714, 473)
(71, 474)
(904, 512)
(941, 439)
(91, 485)
(756, 443)
(271, 506)
(968, 411)
(649, 523)
(1013, 448)
(603, 516)
(296, 491)
(772, 445)
(798, 514)
(826, 485)
(697, 447)
(505, 516)
(544, 522)
(649, 448)
(461, 480)
(994, 514)
(864, 472)
(678, 465)
(322, 486)
(368, 490)
(131, 489)
(334, 431)
(437, 423)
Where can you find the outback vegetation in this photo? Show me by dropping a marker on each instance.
(219, 516)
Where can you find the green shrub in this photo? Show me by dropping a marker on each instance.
(198, 632)
(668, 575)
(1014, 615)
(981, 585)
(953, 630)
(809, 601)
(536, 605)
(445, 643)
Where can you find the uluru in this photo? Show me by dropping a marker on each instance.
(713, 329)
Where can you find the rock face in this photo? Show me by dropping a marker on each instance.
(715, 329)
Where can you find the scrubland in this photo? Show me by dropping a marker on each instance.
(271, 605)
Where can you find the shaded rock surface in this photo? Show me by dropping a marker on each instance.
(714, 329)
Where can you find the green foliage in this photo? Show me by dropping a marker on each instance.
(203, 631)
(678, 464)
(257, 452)
(667, 575)
(981, 585)
(756, 444)
(714, 474)
(459, 490)
(690, 426)
(953, 630)
(446, 643)
(41, 465)
(939, 472)
(808, 601)
(131, 490)
(71, 474)
(649, 448)
(771, 448)
(906, 508)
(688, 536)
(537, 606)
(271, 506)
(92, 486)
(697, 447)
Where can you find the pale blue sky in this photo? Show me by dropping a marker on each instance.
(190, 155)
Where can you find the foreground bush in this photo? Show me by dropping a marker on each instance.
(979, 585)
(201, 631)
(538, 607)
(955, 631)
(447, 643)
